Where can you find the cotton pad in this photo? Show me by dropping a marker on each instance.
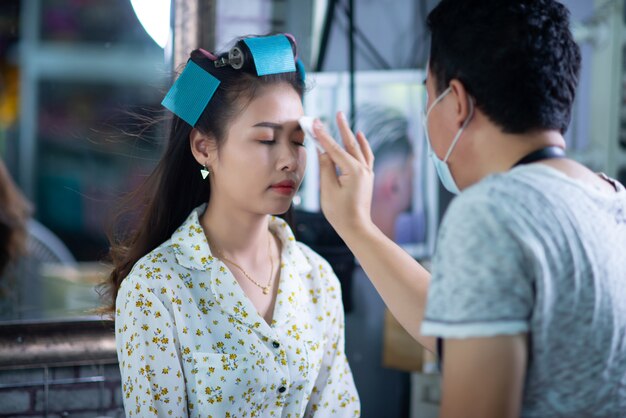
(306, 123)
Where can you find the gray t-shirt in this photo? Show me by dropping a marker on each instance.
(534, 251)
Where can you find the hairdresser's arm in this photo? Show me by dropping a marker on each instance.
(346, 201)
(484, 377)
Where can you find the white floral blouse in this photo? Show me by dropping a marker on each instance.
(190, 343)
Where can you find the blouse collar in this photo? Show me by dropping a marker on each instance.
(192, 251)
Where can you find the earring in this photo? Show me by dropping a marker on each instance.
(204, 171)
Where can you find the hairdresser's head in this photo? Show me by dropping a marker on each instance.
(516, 58)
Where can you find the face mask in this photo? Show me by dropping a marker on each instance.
(443, 171)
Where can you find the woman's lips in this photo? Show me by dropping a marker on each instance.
(284, 187)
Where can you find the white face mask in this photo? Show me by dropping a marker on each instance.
(443, 170)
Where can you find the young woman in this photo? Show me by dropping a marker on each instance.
(219, 311)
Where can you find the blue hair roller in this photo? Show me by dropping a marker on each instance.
(271, 54)
(191, 93)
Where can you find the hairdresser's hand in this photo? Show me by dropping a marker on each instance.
(346, 198)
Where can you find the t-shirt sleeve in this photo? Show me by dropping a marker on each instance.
(482, 280)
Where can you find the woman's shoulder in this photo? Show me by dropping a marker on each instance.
(177, 253)
(153, 266)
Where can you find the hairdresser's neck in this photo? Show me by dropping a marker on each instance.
(236, 233)
(491, 151)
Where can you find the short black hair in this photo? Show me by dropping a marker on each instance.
(517, 58)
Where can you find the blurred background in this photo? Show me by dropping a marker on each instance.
(81, 83)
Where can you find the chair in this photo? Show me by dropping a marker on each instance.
(44, 246)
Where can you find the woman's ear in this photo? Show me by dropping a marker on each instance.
(462, 98)
(203, 147)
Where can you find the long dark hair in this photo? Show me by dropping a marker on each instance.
(175, 187)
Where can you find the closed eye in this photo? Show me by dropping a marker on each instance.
(268, 142)
(298, 137)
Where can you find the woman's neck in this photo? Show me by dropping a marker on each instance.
(236, 234)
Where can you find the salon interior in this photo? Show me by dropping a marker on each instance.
(79, 79)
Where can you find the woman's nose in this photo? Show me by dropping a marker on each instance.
(288, 159)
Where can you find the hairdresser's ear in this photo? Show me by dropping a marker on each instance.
(202, 147)
(462, 97)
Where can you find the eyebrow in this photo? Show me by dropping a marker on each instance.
(274, 126)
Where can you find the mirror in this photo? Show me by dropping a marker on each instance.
(79, 82)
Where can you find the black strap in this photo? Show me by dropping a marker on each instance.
(542, 154)
(439, 353)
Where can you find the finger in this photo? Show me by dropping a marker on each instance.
(365, 149)
(349, 141)
(338, 155)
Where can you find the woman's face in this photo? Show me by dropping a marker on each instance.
(260, 165)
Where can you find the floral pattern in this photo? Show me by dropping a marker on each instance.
(191, 344)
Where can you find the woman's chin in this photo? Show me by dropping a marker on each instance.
(278, 210)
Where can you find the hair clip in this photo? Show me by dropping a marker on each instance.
(207, 54)
(235, 59)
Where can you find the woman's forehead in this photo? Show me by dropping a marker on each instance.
(276, 106)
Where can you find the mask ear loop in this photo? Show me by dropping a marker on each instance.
(460, 132)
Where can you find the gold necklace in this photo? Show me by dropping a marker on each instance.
(266, 288)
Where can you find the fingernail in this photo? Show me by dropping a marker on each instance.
(317, 124)
(342, 116)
